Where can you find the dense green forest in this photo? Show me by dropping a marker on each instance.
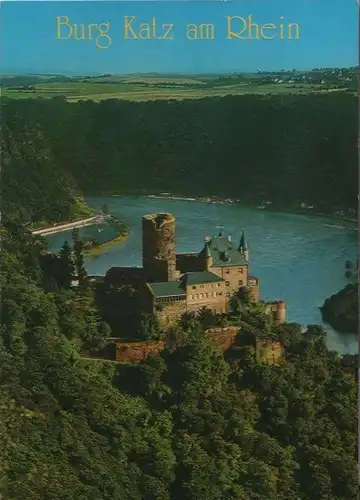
(35, 187)
(192, 424)
(287, 149)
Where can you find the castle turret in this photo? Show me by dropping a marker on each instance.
(159, 251)
(208, 257)
(277, 310)
(281, 312)
(243, 248)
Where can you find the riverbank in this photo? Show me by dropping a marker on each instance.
(98, 250)
(313, 213)
(344, 215)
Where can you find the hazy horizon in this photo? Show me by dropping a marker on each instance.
(166, 73)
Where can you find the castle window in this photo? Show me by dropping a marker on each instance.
(227, 271)
(241, 270)
(194, 287)
(241, 282)
(200, 295)
(228, 295)
(220, 293)
(219, 284)
(214, 294)
(201, 286)
(227, 283)
(206, 295)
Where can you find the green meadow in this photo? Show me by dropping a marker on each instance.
(143, 88)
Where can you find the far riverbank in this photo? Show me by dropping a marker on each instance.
(341, 214)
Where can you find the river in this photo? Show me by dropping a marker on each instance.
(299, 259)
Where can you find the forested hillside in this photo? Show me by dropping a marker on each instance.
(193, 424)
(287, 149)
(34, 185)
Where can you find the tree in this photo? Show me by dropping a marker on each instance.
(236, 305)
(148, 327)
(75, 235)
(79, 262)
(244, 295)
(188, 320)
(67, 267)
(206, 317)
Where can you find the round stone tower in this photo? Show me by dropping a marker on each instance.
(281, 312)
(159, 250)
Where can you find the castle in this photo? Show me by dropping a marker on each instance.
(174, 283)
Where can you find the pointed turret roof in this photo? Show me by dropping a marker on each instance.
(207, 251)
(223, 252)
(242, 244)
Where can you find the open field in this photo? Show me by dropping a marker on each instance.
(136, 88)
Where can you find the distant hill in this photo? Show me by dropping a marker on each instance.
(25, 80)
(288, 149)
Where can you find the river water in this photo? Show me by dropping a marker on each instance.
(299, 259)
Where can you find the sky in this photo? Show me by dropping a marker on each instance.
(328, 36)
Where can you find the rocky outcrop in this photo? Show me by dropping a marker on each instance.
(341, 309)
